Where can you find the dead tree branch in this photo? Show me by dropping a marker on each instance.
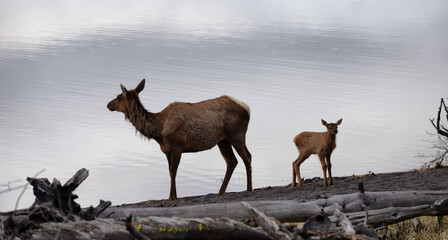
(441, 129)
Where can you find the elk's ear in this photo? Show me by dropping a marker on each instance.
(125, 91)
(339, 122)
(140, 86)
(324, 122)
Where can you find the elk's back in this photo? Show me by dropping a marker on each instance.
(309, 141)
(202, 125)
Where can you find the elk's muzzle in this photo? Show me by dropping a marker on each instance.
(111, 106)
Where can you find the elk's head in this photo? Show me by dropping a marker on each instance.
(332, 128)
(122, 102)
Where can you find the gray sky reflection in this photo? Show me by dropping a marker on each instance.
(380, 65)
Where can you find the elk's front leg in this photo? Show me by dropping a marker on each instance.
(324, 169)
(173, 163)
(330, 177)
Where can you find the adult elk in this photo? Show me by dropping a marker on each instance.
(191, 127)
(320, 143)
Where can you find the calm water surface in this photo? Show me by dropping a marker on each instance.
(380, 65)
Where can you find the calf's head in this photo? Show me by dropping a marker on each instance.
(332, 128)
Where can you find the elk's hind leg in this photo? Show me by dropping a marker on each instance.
(294, 183)
(296, 168)
(229, 156)
(241, 149)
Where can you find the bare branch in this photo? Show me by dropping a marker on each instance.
(443, 102)
(24, 189)
(440, 158)
(437, 126)
(13, 188)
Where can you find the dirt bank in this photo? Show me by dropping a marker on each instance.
(435, 179)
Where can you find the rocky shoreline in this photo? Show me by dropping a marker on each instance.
(416, 180)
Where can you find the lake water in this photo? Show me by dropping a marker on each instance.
(380, 65)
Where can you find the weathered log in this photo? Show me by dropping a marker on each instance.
(91, 213)
(365, 229)
(318, 223)
(317, 229)
(269, 224)
(53, 202)
(133, 230)
(151, 227)
(389, 207)
(343, 221)
(390, 215)
(57, 201)
(164, 228)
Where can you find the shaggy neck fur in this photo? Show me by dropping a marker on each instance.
(145, 122)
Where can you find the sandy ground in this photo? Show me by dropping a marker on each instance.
(435, 179)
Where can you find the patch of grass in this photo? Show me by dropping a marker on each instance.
(429, 228)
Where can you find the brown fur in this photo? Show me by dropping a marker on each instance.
(191, 127)
(320, 143)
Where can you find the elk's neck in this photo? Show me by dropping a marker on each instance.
(331, 138)
(144, 121)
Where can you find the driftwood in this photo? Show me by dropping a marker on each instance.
(384, 207)
(150, 228)
(343, 221)
(179, 228)
(54, 202)
(133, 230)
(270, 225)
(55, 215)
(315, 228)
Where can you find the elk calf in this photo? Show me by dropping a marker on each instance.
(320, 143)
(191, 127)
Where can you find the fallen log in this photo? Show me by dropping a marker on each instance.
(388, 207)
(390, 215)
(179, 228)
(151, 227)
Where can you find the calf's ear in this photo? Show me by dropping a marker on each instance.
(339, 122)
(324, 122)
